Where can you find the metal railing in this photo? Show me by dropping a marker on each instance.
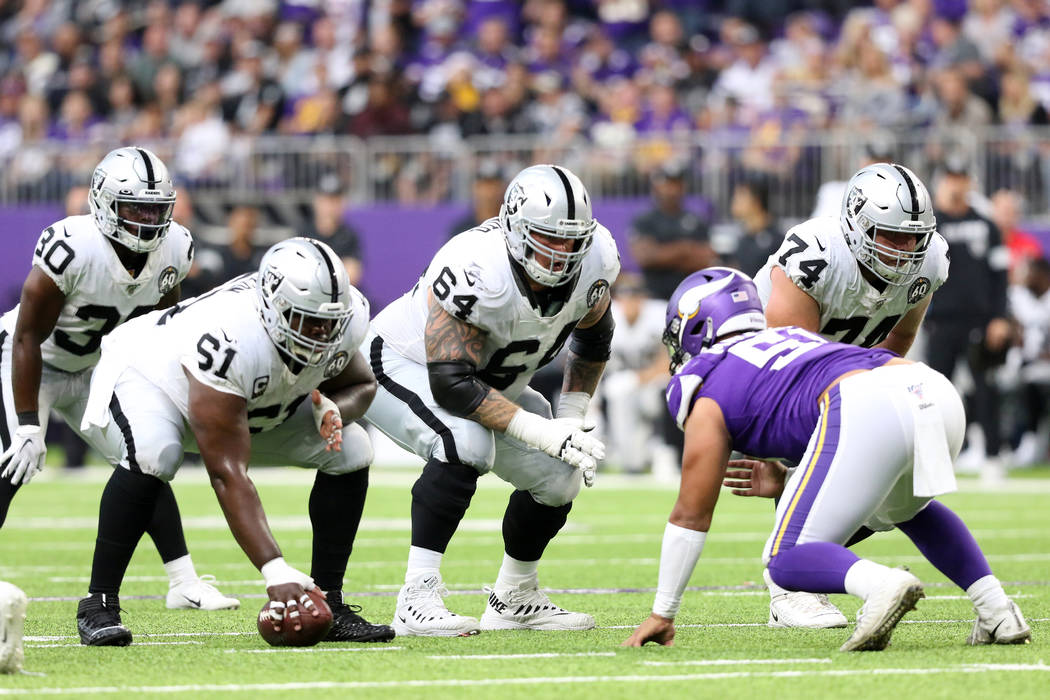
(421, 170)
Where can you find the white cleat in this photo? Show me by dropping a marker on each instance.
(12, 623)
(802, 609)
(421, 611)
(526, 608)
(1006, 626)
(200, 594)
(883, 610)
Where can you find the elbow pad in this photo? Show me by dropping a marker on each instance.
(456, 387)
(594, 343)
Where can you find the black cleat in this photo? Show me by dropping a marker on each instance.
(98, 621)
(349, 626)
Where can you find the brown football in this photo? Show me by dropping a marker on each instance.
(312, 630)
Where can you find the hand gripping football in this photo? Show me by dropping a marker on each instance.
(312, 630)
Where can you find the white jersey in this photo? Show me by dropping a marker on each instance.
(635, 345)
(816, 257)
(100, 293)
(472, 278)
(220, 339)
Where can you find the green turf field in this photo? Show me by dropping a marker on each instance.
(604, 562)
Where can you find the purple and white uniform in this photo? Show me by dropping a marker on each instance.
(872, 450)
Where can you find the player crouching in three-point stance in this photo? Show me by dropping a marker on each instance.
(264, 369)
(453, 357)
(874, 437)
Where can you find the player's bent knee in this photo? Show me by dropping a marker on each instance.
(559, 490)
(162, 462)
(355, 453)
(445, 488)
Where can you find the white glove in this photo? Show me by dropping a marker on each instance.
(26, 455)
(277, 571)
(561, 438)
(322, 406)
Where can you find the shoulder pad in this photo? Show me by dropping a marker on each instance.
(805, 255)
(57, 256)
(684, 387)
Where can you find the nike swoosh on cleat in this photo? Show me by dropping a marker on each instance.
(996, 629)
(402, 618)
(191, 601)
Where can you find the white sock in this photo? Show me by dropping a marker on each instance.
(864, 577)
(774, 589)
(422, 562)
(987, 595)
(514, 572)
(180, 571)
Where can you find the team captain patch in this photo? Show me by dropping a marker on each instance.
(919, 288)
(595, 292)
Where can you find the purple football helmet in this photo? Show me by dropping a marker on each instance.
(707, 306)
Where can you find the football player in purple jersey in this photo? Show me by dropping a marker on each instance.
(874, 437)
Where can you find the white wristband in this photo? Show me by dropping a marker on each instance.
(278, 571)
(678, 555)
(321, 409)
(527, 427)
(573, 404)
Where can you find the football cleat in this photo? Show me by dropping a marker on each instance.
(12, 623)
(883, 609)
(98, 621)
(527, 608)
(1006, 626)
(199, 594)
(421, 611)
(349, 626)
(802, 609)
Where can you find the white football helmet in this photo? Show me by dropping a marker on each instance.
(547, 201)
(304, 299)
(131, 198)
(887, 197)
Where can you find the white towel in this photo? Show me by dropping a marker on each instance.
(933, 473)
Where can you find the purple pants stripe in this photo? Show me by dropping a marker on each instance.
(829, 428)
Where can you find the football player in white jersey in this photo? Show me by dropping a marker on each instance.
(90, 274)
(264, 369)
(864, 278)
(453, 358)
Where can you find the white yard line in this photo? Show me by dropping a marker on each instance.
(538, 680)
(313, 650)
(734, 662)
(138, 644)
(548, 655)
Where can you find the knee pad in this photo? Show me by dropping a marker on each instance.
(558, 490)
(356, 453)
(445, 489)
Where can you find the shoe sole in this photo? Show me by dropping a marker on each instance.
(494, 625)
(118, 639)
(879, 639)
(187, 606)
(367, 638)
(406, 631)
(777, 624)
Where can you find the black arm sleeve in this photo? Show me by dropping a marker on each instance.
(594, 343)
(456, 387)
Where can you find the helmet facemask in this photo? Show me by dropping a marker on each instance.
(132, 198)
(561, 265)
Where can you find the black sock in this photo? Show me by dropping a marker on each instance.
(7, 494)
(128, 503)
(440, 498)
(336, 504)
(528, 526)
(165, 527)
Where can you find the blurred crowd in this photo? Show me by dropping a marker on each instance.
(617, 74)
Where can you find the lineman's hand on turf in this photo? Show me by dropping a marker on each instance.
(654, 629)
(755, 477)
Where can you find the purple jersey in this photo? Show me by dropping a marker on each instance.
(768, 384)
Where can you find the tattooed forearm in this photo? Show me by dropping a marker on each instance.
(448, 338)
(581, 374)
